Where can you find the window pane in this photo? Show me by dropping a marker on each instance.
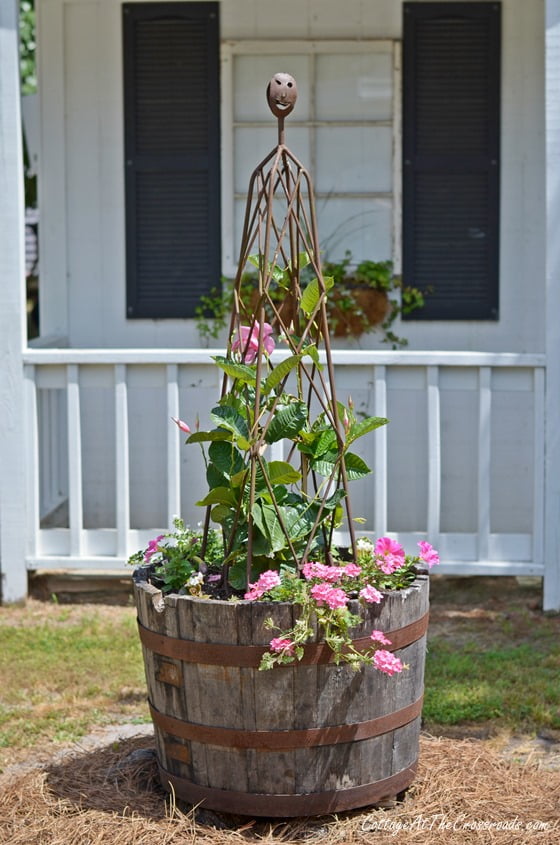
(253, 145)
(362, 226)
(354, 159)
(355, 86)
(250, 77)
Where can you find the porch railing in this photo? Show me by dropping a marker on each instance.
(460, 463)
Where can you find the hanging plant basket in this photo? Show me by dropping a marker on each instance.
(370, 307)
(307, 738)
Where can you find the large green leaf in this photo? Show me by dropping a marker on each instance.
(204, 436)
(242, 372)
(214, 477)
(219, 496)
(230, 419)
(226, 457)
(287, 422)
(358, 429)
(280, 372)
(356, 467)
(267, 521)
(281, 472)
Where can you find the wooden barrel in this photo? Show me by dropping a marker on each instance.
(305, 739)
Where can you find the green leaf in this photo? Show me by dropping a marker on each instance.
(242, 372)
(280, 372)
(214, 477)
(227, 458)
(219, 496)
(311, 295)
(287, 422)
(313, 353)
(204, 436)
(281, 472)
(358, 429)
(231, 420)
(220, 513)
(266, 519)
(356, 467)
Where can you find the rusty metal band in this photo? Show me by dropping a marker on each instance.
(284, 740)
(306, 804)
(226, 654)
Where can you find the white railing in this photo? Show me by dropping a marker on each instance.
(461, 462)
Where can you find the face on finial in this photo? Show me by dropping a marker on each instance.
(281, 94)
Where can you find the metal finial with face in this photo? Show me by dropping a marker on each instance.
(281, 93)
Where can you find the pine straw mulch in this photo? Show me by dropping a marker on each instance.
(464, 792)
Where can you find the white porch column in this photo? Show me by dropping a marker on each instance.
(551, 599)
(12, 314)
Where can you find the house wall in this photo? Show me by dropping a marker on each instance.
(82, 185)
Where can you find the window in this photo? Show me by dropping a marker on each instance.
(172, 156)
(342, 131)
(451, 140)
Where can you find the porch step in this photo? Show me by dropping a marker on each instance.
(79, 586)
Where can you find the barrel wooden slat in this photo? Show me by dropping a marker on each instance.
(274, 705)
(335, 770)
(192, 708)
(147, 599)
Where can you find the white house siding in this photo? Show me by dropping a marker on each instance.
(82, 185)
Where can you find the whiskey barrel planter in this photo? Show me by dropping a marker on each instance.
(305, 739)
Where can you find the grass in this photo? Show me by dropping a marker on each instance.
(493, 660)
(66, 670)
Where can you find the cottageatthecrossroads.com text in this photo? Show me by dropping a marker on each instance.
(440, 821)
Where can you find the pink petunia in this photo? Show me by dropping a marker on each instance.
(266, 581)
(282, 645)
(390, 555)
(371, 595)
(247, 343)
(386, 662)
(182, 425)
(333, 597)
(152, 548)
(379, 637)
(428, 554)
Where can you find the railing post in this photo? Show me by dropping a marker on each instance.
(122, 460)
(12, 316)
(551, 598)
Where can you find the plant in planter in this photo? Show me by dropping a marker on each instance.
(368, 297)
(334, 723)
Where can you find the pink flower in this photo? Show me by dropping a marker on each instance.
(332, 596)
(428, 554)
(387, 662)
(371, 595)
(379, 637)
(313, 569)
(282, 645)
(351, 570)
(267, 580)
(390, 555)
(182, 425)
(152, 548)
(247, 344)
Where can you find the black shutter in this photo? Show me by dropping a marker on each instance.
(451, 145)
(172, 156)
